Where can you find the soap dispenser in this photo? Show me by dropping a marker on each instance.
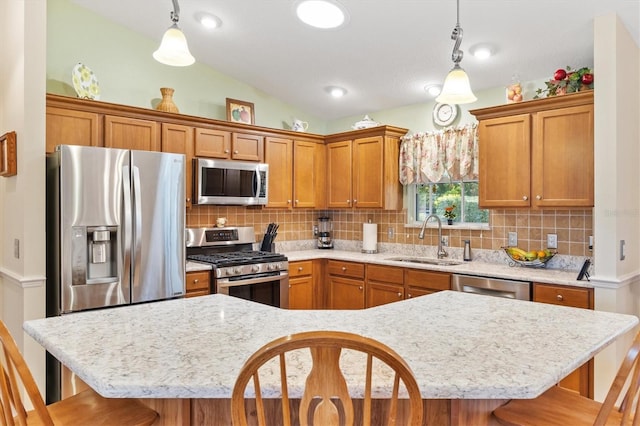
(467, 250)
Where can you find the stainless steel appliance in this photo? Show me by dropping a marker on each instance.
(115, 231)
(325, 231)
(238, 270)
(491, 286)
(229, 182)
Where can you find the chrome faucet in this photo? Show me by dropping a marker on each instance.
(441, 252)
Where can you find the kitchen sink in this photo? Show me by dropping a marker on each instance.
(426, 260)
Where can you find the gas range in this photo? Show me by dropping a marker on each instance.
(241, 263)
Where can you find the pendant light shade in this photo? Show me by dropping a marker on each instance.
(173, 49)
(456, 88)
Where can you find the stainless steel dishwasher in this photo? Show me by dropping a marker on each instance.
(491, 286)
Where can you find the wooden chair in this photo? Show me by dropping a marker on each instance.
(559, 406)
(85, 408)
(325, 385)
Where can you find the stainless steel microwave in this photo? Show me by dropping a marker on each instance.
(227, 182)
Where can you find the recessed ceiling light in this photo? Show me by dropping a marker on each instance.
(481, 51)
(208, 20)
(323, 14)
(335, 91)
(433, 89)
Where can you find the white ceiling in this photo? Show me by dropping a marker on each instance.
(389, 49)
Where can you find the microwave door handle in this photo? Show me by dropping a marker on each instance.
(256, 183)
(137, 233)
(127, 218)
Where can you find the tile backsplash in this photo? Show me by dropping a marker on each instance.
(573, 227)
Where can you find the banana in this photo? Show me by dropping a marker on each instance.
(518, 251)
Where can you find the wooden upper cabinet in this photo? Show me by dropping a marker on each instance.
(368, 175)
(72, 127)
(247, 147)
(309, 171)
(212, 143)
(363, 169)
(279, 157)
(537, 153)
(178, 139)
(563, 161)
(339, 174)
(505, 166)
(131, 133)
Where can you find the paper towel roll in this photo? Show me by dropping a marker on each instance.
(369, 238)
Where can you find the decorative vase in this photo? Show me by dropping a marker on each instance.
(449, 221)
(166, 104)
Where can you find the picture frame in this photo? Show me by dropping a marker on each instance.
(8, 155)
(240, 111)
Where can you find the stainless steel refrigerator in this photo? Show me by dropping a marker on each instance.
(115, 230)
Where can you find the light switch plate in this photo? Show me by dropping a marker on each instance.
(552, 241)
(445, 240)
(513, 239)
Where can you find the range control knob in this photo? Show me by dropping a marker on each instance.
(255, 268)
(237, 270)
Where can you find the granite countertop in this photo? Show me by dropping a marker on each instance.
(192, 266)
(458, 345)
(542, 275)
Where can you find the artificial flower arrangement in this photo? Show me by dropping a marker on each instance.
(567, 81)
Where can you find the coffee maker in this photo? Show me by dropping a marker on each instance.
(325, 229)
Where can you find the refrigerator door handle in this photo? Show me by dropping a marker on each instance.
(137, 232)
(127, 213)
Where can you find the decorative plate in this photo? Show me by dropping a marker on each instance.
(85, 82)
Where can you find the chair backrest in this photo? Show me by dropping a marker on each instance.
(13, 373)
(325, 383)
(628, 377)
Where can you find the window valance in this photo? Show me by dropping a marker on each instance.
(425, 157)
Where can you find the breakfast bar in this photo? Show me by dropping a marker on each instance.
(469, 353)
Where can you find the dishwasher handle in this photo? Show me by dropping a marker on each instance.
(491, 286)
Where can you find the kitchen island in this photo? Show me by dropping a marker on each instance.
(468, 353)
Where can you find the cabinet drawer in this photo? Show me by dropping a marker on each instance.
(298, 269)
(197, 281)
(427, 279)
(385, 274)
(347, 269)
(562, 295)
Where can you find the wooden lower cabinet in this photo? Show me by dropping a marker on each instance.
(419, 282)
(346, 285)
(385, 284)
(301, 288)
(197, 284)
(581, 380)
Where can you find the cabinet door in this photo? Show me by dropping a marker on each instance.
(429, 280)
(563, 158)
(247, 147)
(412, 292)
(382, 293)
(504, 157)
(368, 183)
(301, 293)
(131, 133)
(339, 177)
(306, 174)
(212, 143)
(279, 157)
(70, 127)
(345, 293)
(179, 139)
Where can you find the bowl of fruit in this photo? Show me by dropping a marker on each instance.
(534, 258)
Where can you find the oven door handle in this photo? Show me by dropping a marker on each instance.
(226, 283)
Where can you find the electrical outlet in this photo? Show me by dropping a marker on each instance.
(315, 230)
(445, 240)
(552, 241)
(513, 239)
(390, 233)
(16, 248)
(590, 242)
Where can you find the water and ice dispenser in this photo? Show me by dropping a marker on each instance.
(94, 254)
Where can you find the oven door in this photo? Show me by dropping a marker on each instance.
(270, 290)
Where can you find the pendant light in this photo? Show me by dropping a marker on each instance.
(456, 88)
(173, 49)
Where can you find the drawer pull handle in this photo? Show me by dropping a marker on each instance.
(360, 288)
(226, 151)
(300, 268)
(409, 296)
(344, 268)
(399, 294)
(525, 198)
(559, 297)
(235, 152)
(196, 281)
